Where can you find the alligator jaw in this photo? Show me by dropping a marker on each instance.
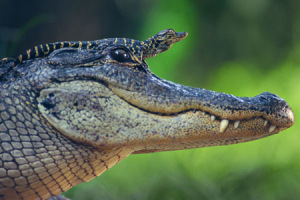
(206, 118)
(198, 128)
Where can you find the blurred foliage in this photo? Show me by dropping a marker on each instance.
(234, 46)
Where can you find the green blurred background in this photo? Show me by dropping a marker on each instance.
(234, 46)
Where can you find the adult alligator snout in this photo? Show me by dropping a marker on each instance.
(265, 113)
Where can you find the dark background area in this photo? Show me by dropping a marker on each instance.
(234, 46)
(261, 32)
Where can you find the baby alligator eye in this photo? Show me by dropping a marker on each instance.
(120, 55)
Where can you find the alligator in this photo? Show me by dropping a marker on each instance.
(69, 111)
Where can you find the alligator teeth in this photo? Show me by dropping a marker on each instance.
(236, 124)
(272, 127)
(223, 125)
(212, 118)
(265, 123)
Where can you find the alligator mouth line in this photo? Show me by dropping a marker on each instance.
(224, 123)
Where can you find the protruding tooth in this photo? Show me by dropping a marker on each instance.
(272, 127)
(236, 124)
(223, 125)
(212, 118)
(265, 122)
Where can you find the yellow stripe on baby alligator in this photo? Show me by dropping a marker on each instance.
(136, 59)
(61, 45)
(80, 45)
(116, 40)
(28, 53)
(125, 41)
(36, 51)
(54, 46)
(42, 49)
(20, 58)
(48, 50)
(89, 44)
(72, 44)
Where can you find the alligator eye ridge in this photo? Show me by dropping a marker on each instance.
(120, 55)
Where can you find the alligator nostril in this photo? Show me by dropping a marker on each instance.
(48, 104)
(267, 96)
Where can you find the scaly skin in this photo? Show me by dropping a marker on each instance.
(69, 111)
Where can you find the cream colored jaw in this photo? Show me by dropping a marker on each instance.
(224, 123)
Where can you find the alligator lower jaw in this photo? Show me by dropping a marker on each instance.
(224, 123)
(206, 131)
(195, 129)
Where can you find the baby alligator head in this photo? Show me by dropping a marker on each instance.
(104, 94)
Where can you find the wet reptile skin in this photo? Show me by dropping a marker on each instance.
(71, 110)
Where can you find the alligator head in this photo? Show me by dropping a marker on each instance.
(107, 97)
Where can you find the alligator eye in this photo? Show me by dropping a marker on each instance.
(120, 55)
